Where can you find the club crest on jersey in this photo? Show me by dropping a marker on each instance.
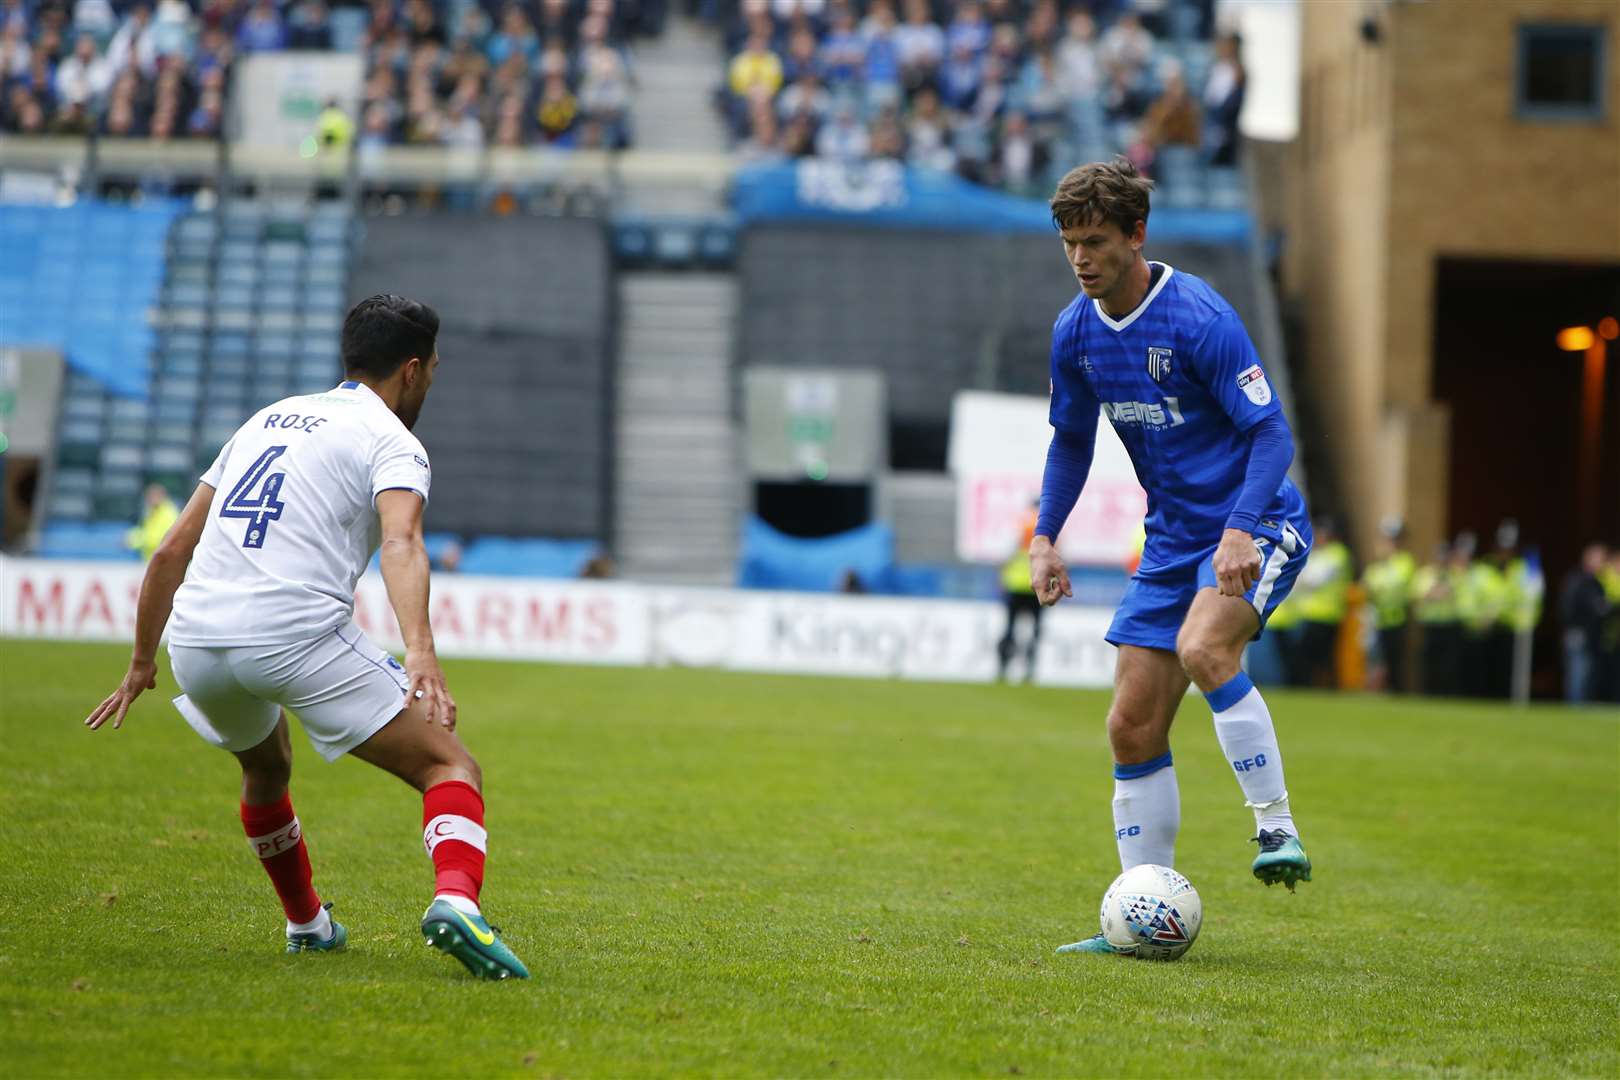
(1254, 386)
(1158, 363)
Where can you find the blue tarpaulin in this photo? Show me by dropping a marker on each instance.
(886, 194)
(774, 560)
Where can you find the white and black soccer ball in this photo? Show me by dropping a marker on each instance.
(1153, 910)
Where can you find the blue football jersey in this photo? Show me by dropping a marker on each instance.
(1182, 384)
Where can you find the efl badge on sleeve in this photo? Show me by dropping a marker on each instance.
(1158, 363)
(1254, 386)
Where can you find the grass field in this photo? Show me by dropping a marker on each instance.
(723, 875)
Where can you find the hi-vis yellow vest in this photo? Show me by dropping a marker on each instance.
(1389, 586)
(1325, 602)
(146, 536)
(1015, 571)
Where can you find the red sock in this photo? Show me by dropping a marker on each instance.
(453, 832)
(277, 840)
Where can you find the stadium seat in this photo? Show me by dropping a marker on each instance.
(506, 557)
(90, 540)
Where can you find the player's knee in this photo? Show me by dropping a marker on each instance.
(1130, 732)
(1206, 661)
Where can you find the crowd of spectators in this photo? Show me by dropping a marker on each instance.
(136, 69)
(994, 90)
(558, 73)
(505, 73)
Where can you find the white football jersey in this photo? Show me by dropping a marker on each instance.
(294, 519)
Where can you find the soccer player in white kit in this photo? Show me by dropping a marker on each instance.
(259, 572)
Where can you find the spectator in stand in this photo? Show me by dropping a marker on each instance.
(262, 30)
(1172, 120)
(208, 114)
(806, 97)
(1127, 46)
(462, 128)
(844, 137)
(15, 55)
(509, 130)
(1223, 101)
(755, 70)
(803, 57)
(309, 26)
(83, 77)
(132, 44)
(761, 145)
(843, 53)
(1122, 103)
(960, 78)
(376, 129)
(798, 138)
(123, 118)
(1019, 157)
(968, 29)
(516, 37)
(881, 70)
(1039, 93)
(422, 23)
(1582, 607)
(604, 87)
(920, 45)
(928, 133)
(1079, 65)
(557, 25)
(887, 138)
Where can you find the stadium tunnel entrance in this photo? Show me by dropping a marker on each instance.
(1523, 415)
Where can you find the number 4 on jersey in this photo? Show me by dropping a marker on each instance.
(259, 510)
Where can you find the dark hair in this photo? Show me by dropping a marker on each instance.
(1104, 191)
(382, 332)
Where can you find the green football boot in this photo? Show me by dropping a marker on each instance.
(1096, 944)
(471, 940)
(311, 943)
(1282, 858)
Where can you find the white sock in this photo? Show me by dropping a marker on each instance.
(1147, 812)
(460, 903)
(1247, 737)
(320, 925)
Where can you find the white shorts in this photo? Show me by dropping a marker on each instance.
(343, 688)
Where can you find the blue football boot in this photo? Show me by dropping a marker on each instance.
(471, 940)
(1282, 858)
(315, 943)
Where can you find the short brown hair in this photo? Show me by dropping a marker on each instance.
(1104, 191)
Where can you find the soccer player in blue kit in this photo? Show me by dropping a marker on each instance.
(1168, 362)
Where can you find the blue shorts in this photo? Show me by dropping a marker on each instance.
(1153, 608)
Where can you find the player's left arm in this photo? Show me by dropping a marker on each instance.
(164, 575)
(1232, 370)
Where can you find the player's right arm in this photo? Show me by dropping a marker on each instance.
(404, 561)
(1068, 461)
(163, 577)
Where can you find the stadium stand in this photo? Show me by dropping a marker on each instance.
(460, 73)
(527, 304)
(251, 301)
(1002, 93)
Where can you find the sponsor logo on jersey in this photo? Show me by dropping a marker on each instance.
(1085, 363)
(1254, 386)
(1166, 414)
(1158, 363)
(420, 460)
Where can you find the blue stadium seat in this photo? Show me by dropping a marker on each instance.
(507, 557)
(90, 540)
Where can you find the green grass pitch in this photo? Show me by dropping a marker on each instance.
(725, 875)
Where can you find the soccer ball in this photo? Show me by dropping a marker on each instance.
(1154, 910)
